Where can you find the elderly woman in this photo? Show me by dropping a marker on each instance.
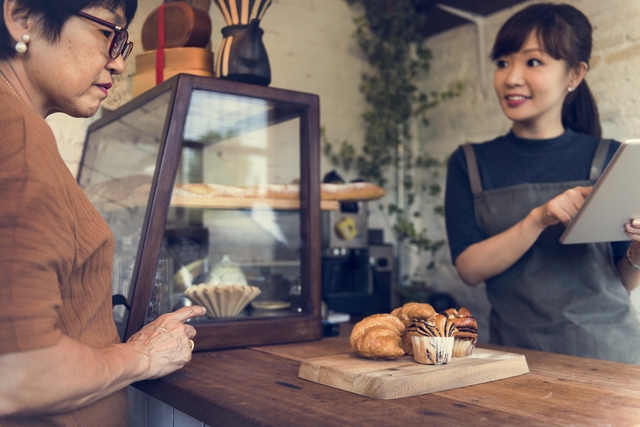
(61, 360)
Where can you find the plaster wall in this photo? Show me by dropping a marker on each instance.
(311, 50)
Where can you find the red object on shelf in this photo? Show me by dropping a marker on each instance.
(161, 46)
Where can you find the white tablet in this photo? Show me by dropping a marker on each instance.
(614, 200)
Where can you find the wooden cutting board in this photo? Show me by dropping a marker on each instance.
(403, 377)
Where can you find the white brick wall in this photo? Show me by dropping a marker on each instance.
(614, 79)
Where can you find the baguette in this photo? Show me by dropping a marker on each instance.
(351, 192)
(336, 192)
(117, 189)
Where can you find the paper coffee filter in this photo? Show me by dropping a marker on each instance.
(226, 272)
(222, 300)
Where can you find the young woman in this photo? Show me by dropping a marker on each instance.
(61, 362)
(508, 200)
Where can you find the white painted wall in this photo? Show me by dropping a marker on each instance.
(311, 50)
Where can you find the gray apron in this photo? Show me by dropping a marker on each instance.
(559, 298)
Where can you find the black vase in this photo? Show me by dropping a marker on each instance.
(242, 56)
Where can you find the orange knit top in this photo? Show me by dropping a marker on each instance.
(56, 253)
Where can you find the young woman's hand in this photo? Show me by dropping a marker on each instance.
(563, 207)
(633, 229)
(165, 341)
(628, 265)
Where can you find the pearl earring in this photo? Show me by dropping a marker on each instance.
(570, 89)
(21, 46)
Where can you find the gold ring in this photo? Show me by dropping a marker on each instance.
(191, 344)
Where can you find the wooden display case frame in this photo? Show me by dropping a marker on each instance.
(232, 332)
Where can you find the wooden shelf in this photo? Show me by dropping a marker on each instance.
(221, 203)
(248, 264)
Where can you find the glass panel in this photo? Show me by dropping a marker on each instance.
(116, 174)
(233, 244)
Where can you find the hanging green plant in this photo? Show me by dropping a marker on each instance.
(390, 35)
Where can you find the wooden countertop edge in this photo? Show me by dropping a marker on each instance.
(173, 391)
(209, 412)
(184, 389)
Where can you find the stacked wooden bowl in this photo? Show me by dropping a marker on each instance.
(187, 31)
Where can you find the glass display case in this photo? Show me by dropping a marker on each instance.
(212, 191)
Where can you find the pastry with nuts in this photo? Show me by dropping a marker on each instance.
(467, 335)
(409, 313)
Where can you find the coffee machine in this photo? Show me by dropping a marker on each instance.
(357, 274)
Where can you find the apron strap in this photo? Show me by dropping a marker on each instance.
(598, 159)
(472, 165)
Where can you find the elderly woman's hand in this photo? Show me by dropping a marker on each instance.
(46, 380)
(165, 341)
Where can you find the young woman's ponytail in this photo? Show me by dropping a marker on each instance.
(580, 112)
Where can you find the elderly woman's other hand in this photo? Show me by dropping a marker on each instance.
(165, 342)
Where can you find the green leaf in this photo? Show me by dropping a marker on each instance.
(390, 34)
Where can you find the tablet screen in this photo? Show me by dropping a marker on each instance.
(614, 200)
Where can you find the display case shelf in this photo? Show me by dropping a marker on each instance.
(222, 203)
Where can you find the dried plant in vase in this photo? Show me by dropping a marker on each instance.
(242, 56)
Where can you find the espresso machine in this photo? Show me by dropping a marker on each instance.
(357, 274)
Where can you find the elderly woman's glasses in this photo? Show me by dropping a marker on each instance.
(120, 44)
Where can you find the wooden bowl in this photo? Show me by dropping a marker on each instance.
(188, 60)
(184, 26)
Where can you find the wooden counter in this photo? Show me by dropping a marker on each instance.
(260, 387)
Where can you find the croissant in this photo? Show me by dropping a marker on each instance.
(407, 314)
(378, 336)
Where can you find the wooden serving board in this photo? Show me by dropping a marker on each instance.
(381, 379)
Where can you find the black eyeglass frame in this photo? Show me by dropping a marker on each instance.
(120, 45)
